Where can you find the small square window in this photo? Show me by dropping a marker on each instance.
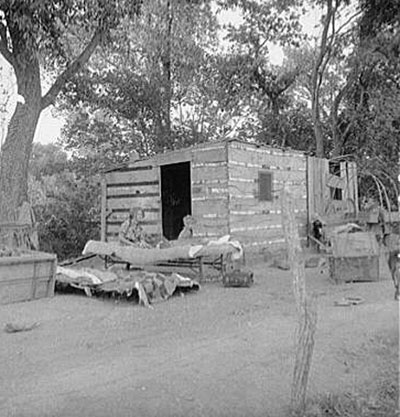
(265, 186)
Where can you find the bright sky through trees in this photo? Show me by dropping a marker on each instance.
(49, 127)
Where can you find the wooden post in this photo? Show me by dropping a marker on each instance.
(310, 190)
(306, 311)
(354, 184)
(103, 209)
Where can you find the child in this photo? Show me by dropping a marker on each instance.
(188, 226)
(131, 233)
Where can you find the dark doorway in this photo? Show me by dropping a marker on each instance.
(175, 197)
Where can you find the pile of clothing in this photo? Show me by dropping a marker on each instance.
(146, 287)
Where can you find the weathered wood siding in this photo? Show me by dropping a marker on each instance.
(138, 184)
(225, 191)
(27, 277)
(318, 192)
(209, 175)
(210, 190)
(321, 181)
(135, 185)
(258, 224)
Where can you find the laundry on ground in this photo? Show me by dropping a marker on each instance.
(143, 286)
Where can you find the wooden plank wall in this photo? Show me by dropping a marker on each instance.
(225, 190)
(138, 184)
(27, 277)
(319, 183)
(258, 224)
(318, 192)
(210, 190)
(352, 183)
(132, 186)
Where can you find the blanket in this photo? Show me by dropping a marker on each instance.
(138, 256)
(147, 287)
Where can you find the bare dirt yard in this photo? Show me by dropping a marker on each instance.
(216, 352)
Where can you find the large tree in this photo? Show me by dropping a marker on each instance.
(252, 83)
(333, 71)
(374, 101)
(33, 35)
(145, 83)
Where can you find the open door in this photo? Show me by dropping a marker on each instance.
(176, 197)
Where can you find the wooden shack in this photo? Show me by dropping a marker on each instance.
(230, 187)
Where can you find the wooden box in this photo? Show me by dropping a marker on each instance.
(27, 277)
(355, 257)
(354, 268)
(238, 279)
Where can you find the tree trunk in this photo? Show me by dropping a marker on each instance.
(321, 61)
(306, 307)
(167, 72)
(15, 153)
(276, 127)
(337, 145)
(339, 136)
(162, 111)
(319, 137)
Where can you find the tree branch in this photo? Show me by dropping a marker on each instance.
(4, 47)
(352, 17)
(71, 69)
(318, 65)
(338, 99)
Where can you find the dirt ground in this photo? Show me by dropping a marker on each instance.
(217, 352)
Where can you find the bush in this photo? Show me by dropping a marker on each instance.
(67, 210)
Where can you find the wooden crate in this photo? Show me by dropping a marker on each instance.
(27, 277)
(354, 268)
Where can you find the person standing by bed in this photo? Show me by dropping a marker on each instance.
(131, 232)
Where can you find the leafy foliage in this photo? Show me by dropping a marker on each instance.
(66, 204)
(162, 81)
(147, 81)
(373, 103)
(47, 160)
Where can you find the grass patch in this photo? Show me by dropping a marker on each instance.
(379, 398)
(382, 404)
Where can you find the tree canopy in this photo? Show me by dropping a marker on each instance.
(134, 77)
(37, 36)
